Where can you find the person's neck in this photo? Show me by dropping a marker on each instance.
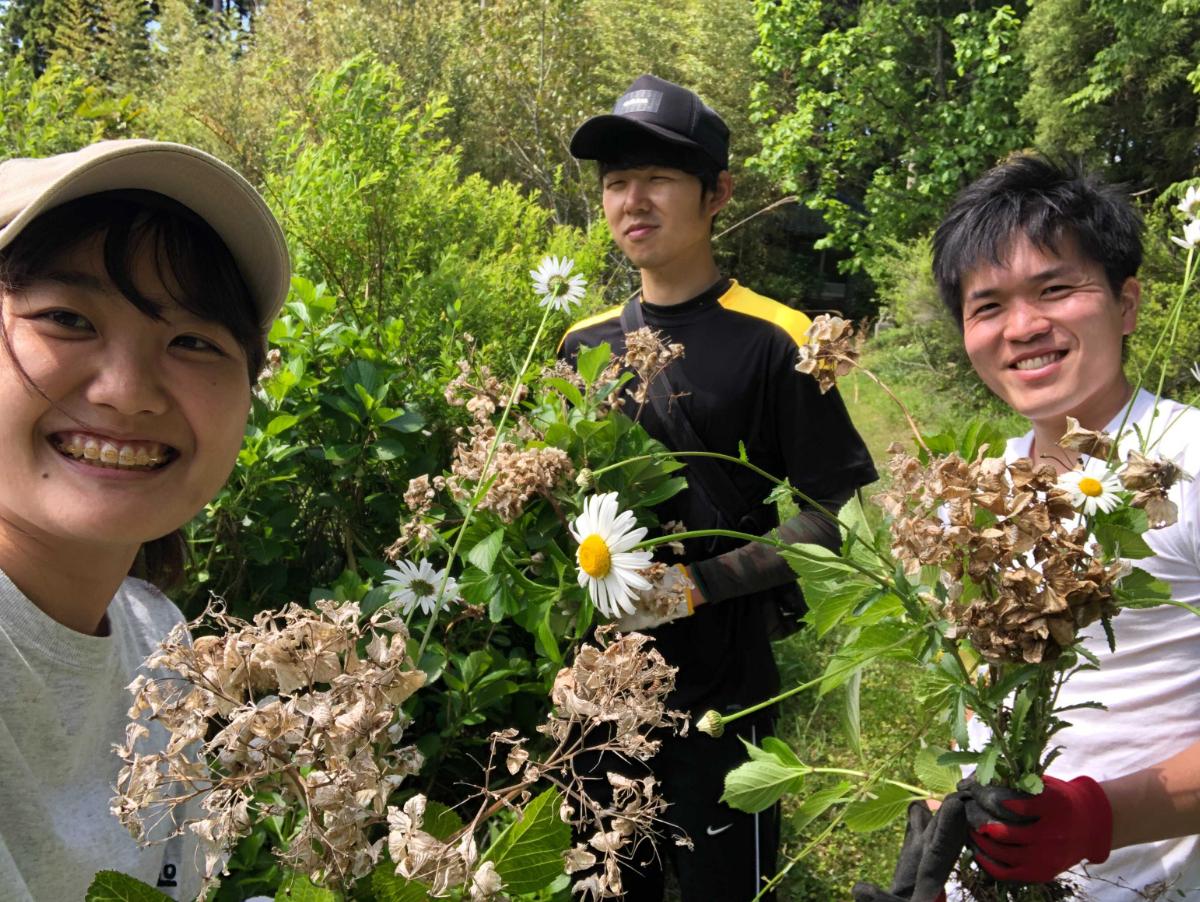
(1048, 432)
(71, 583)
(681, 280)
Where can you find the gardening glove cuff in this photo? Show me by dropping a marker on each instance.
(1033, 839)
(670, 598)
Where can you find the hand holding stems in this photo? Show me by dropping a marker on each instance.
(1033, 839)
(673, 596)
(933, 842)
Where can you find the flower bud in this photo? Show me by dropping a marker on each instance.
(712, 723)
(584, 479)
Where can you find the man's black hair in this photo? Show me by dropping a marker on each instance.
(1030, 195)
(671, 156)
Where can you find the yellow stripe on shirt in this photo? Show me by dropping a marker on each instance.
(740, 299)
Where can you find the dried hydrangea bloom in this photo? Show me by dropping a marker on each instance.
(647, 354)
(520, 473)
(1038, 580)
(1150, 479)
(1086, 441)
(831, 351)
(285, 705)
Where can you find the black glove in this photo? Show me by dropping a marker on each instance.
(932, 845)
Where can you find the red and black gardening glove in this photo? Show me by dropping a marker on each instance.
(1033, 839)
(932, 845)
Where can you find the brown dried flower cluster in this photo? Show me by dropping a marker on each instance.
(284, 705)
(1150, 478)
(481, 393)
(1034, 581)
(648, 355)
(441, 866)
(832, 350)
(608, 700)
(519, 472)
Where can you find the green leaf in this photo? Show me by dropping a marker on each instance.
(850, 712)
(888, 802)
(388, 886)
(484, 554)
(591, 361)
(818, 803)
(360, 373)
(113, 886)
(528, 855)
(815, 563)
(281, 423)
(1031, 783)
(829, 603)
(933, 775)
(1141, 590)
(298, 888)
(986, 768)
(1119, 541)
(566, 389)
(757, 785)
(775, 746)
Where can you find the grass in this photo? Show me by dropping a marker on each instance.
(890, 719)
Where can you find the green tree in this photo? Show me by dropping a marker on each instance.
(876, 113)
(1113, 83)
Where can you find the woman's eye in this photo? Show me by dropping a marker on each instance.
(68, 319)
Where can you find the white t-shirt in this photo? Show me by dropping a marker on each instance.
(63, 708)
(1151, 683)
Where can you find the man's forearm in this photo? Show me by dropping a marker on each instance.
(755, 567)
(1158, 802)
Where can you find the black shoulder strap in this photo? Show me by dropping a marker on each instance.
(704, 474)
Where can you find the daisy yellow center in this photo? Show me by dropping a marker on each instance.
(594, 557)
(1091, 487)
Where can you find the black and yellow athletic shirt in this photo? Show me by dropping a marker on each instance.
(737, 383)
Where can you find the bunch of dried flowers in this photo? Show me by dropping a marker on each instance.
(286, 705)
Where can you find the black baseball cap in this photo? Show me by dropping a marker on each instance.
(657, 109)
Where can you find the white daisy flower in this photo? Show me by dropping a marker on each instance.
(417, 584)
(608, 569)
(553, 281)
(1191, 235)
(1090, 493)
(1190, 205)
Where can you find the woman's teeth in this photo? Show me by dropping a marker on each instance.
(1033, 363)
(100, 452)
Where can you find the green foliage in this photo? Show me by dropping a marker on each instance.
(890, 109)
(57, 111)
(113, 886)
(529, 853)
(1113, 83)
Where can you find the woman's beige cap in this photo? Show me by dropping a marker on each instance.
(199, 181)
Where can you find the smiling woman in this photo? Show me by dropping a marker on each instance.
(137, 281)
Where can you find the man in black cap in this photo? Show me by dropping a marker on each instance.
(664, 167)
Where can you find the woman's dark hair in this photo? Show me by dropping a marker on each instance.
(1047, 203)
(192, 263)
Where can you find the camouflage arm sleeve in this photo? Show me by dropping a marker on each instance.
(755, 567)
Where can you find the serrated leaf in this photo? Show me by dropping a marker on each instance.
(298, 888)
(986, 768)
(934, 776)
(781, 750)
(528, 855)
(818, 803)
(888, 803)
(113, 886)
(388, 886)
(757, 785)
(483, 554)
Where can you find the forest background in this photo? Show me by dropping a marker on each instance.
(415, 152)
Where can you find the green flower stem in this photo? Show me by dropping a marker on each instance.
(483, 475)
(1170, 327)
(920, 791)
(753, 709)
(733, 460)
(762, 540)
